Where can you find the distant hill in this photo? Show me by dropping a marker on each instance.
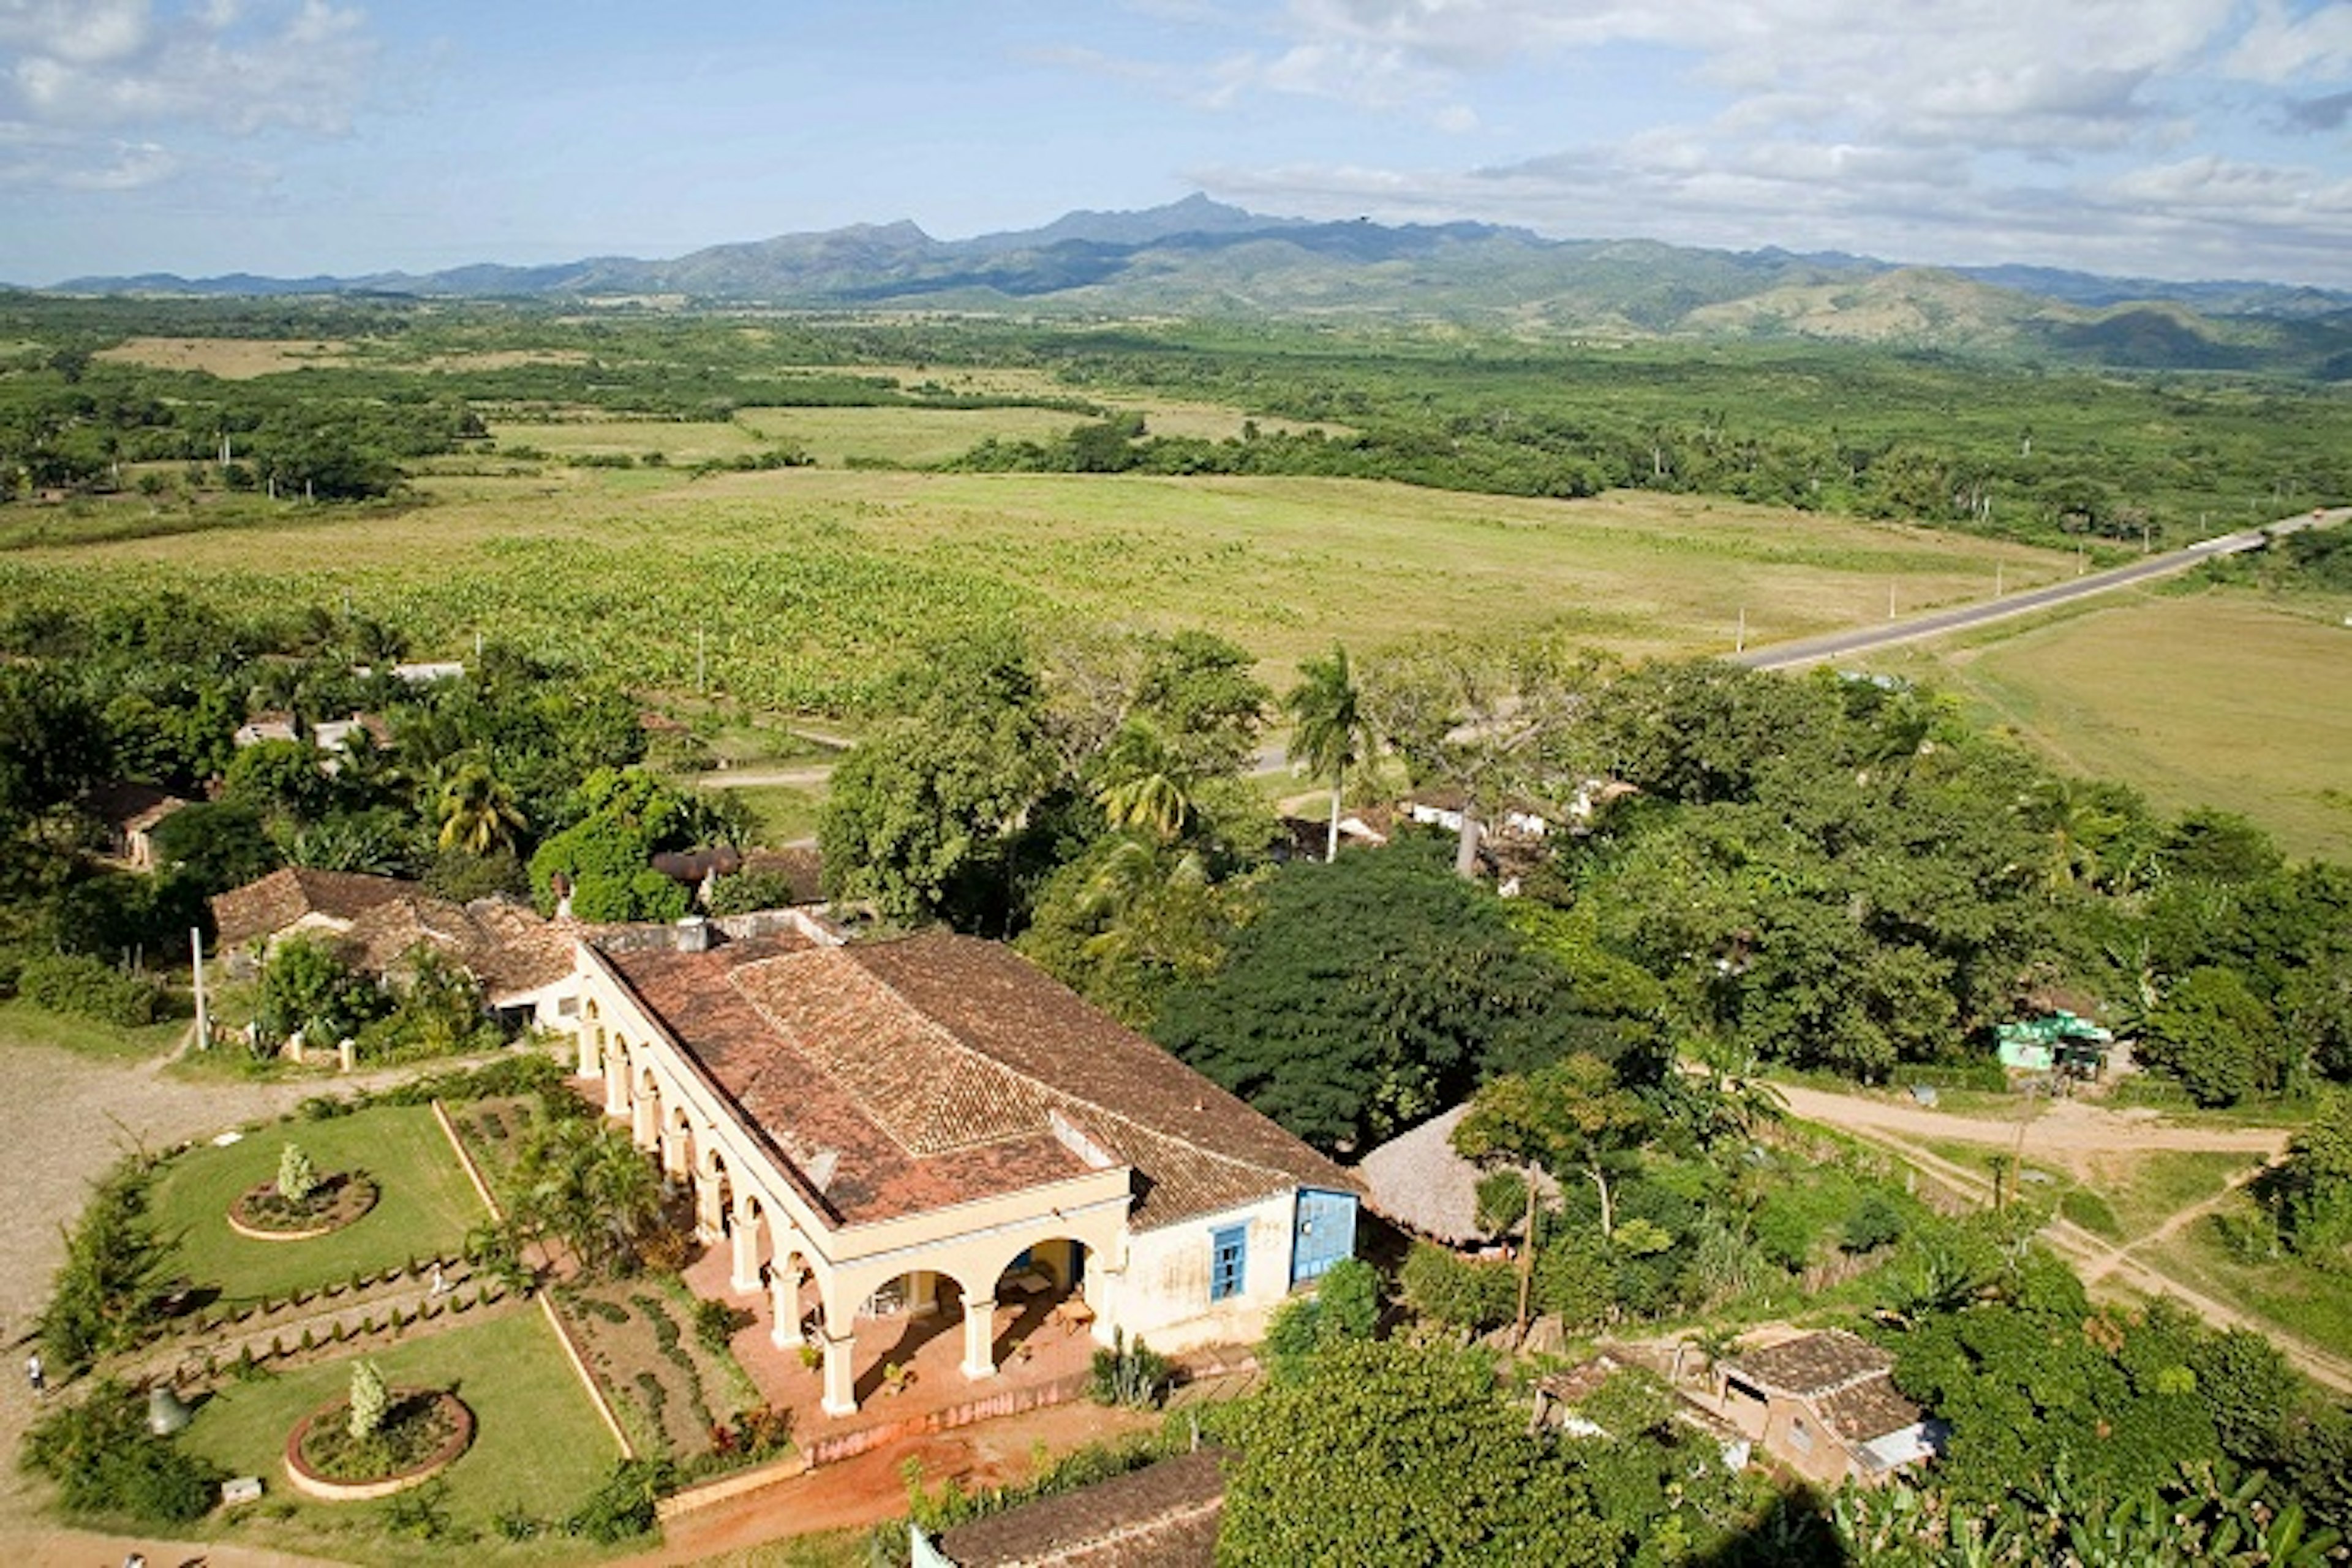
(1202, 258)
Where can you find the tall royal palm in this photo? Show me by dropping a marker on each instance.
(1329, 732)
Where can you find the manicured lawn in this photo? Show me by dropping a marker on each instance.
(538, 1446)
(425, 1205)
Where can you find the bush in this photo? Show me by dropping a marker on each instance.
(105, 1461)
(1346, 1306)
(623, 1506)
(106, 1294)
(1459, 1294)
(716, 1322)
(87, 987)
(1874, 1223)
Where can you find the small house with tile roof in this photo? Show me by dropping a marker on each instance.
(936, 1125)
(297, 898)
(1165, 1515)
(1824, 1405)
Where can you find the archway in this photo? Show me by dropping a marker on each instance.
(1040, 1297)
(897, 1321)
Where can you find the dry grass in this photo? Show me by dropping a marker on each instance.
(2224, 699)
(231, 359)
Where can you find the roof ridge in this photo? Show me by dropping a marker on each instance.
(931, 1106)
(1054, 1092)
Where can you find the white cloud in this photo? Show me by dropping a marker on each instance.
(113, 91)
(2281, 47)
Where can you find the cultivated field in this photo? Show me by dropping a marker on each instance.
(2223, 699)
(804, 582)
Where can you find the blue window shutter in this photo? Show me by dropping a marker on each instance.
(1228, 1261)
(1323, 1233)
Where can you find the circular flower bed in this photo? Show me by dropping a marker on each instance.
(424, 1432)
(264, 1213)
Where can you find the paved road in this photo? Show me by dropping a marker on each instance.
(1913, 629)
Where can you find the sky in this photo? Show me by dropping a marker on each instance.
(2170, 139)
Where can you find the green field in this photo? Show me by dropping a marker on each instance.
(424, 1208)
(538, 1446)
(2222, 698)
(806, 582)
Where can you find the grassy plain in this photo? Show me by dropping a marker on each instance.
(539, 1447)
(423, 1207)
(806, 582)
(2223, 699)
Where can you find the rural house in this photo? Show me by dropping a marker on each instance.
(1824, 1405)
(934, 1125)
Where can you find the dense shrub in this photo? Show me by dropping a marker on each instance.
(105, 1293)
(1458, 1293)
(105, 1461)
(87, 988)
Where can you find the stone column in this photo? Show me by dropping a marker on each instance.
(979, 1338)
(709, 1210)
(591, 1041)
(840, 1373)
(616, 1079)
(673, 1143)
(747, 1253)
(784, 1301)
(644, 1129)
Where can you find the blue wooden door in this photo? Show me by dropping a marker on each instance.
(1324, 1233)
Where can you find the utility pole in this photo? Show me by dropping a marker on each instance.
(1890, 601)
(203, 1018)
(1739, 641)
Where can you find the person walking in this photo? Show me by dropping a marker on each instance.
(34, 1375)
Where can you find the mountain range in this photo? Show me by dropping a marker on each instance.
(1199, 257)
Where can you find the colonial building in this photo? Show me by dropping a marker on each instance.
(931, 1125)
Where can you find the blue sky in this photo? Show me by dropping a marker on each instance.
(2168, 138)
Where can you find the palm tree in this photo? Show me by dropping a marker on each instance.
(1329, 730)
(1144, 786)
(478, 812)
(585, 1184)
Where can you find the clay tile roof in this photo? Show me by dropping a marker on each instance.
(1815, 1365)
(507, 948)
(265, 908)
(941, 1068)
(1163, 1516)
(124, 802)
(1867, 1411)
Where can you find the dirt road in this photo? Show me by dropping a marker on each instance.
(2054, 1130)
(2072, 1127)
